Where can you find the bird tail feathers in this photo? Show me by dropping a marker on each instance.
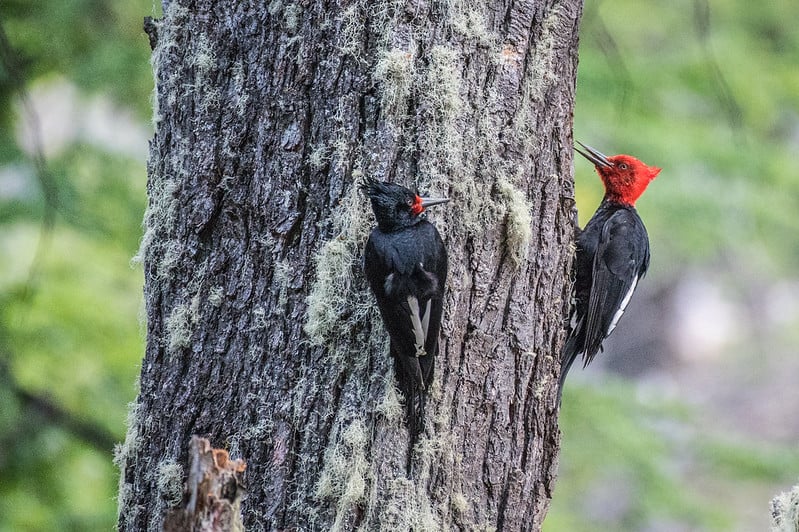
(413, 386)
(570, 353)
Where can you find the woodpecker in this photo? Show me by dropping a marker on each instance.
(612, 256)
(405, 263)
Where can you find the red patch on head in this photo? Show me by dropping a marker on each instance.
(417, 208)
(627, 179)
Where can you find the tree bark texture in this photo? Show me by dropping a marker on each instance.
(785, 511)
(261, 333)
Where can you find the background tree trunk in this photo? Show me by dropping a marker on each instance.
(261, 332)
(785, 511)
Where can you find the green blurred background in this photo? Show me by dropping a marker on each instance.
(687, 422)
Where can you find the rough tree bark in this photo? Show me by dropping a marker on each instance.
(261, 333)
(785, 511)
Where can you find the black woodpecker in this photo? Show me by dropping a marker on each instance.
(405, 263)
(612, 256)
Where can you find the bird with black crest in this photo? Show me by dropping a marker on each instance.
(405, 263)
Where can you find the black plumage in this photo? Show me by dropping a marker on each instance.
(612, 257)
(405, 263)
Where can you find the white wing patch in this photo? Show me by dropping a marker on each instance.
(573, 305)
(388, 285)
(426, 319)
(623, 306)
(419, 326)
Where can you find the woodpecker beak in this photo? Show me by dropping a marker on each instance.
(595, 156)
(429, 202)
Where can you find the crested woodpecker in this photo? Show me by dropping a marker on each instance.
(612, 256)
(405, 263)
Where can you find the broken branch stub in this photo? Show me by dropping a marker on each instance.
(212, 494)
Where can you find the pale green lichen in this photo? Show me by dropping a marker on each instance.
(292, 16)
(408, 508)
(211, 98)
(390, 406)
(204, 57)
(171, 251)
(334, 305)
(785, 511)
(252, 434)
(343, 149)
(459, 502)
(160, 212)
(259, 431)
(175, 16)
(445, 163)
(351, 22)
(318, 157)
(282, 276)
(346, 471)
(239, 81)
(169, 482)
(122, 454)
(395, 72)
(179, 327)
(255, 353)
(445, 81)
(161, 215)
(274, 7)
(467, 21)
(216, 296)
(518, 221)
(259, 319)
(124, 495)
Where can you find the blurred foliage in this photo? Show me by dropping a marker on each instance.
(711, 95)
(709, 92)
(641, 463)
(98, 45)
(70, 334)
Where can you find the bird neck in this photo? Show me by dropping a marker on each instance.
(611, 203)
(392, 225)
(626, 194)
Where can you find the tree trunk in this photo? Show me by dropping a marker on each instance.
(785, 511)
(261, 333)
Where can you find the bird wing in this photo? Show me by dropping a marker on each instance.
(410, 297)
(437, 265)
(621, 259)
(407, 272)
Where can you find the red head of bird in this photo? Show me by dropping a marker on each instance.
(625, 177)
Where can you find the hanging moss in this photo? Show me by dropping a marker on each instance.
(785, 511)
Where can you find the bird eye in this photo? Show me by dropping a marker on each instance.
(623, 166)
(410, 202)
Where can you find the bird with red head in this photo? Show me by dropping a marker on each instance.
(612, 256)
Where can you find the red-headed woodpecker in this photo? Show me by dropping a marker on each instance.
(405, 263)
(612, 256)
